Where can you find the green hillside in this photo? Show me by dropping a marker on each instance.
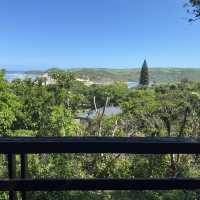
(159, 75)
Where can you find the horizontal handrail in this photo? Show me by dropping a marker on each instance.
(128, 145)
(99, 184)
(136, 145)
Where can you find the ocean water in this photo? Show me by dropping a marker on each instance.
(11, 75)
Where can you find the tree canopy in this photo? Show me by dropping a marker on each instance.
(34, 108)
(193, 7)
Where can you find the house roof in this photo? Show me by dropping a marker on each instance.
(109, 111)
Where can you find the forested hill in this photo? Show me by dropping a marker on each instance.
(159, 75)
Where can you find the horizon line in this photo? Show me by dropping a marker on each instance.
(97, 67)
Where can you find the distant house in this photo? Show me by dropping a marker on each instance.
(48, 79)
(109, 112)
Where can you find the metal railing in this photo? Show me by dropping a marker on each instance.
(128, 145)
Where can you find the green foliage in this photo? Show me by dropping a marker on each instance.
(62, 78)
(194, 8)
(35, 108)
(9, 106)
(115, 92)
(60, 122)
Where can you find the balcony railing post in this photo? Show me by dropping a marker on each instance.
(24, 172)
(12, 173)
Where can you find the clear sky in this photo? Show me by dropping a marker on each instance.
(37, 34)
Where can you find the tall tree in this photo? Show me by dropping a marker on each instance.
(144, 74)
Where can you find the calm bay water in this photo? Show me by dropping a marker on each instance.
(11, 75)
(132, 84)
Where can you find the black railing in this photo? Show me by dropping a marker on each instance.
(133, 145)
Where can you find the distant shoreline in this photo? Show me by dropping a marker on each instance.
(157, 75)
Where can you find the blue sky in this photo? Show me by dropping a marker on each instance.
(38, 34)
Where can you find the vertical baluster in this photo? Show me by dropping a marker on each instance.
(12, 173)
(24, 169)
